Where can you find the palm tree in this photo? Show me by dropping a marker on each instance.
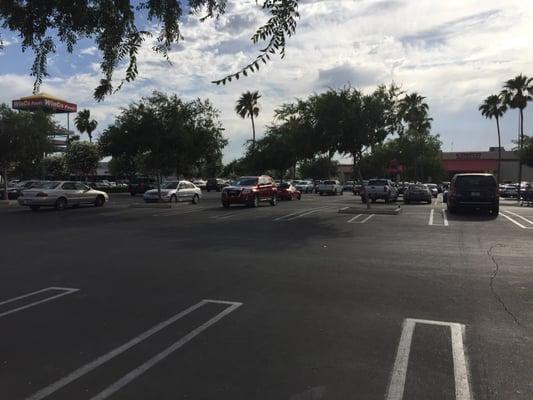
(517, 92)
(247, 107)
(414, 111)
(85, 124)
(494, 107)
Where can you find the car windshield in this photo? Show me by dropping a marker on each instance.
(246, 182)
(329, 182)
(475, 181)
(285, 185)
(169, 185)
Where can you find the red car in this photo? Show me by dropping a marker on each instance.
(288, 192)
(250, 191)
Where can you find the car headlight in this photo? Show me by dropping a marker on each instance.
(246, 191)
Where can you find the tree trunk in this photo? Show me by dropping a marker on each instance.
(362, 190)
(4, 175)
(253, 130)
(499, 152)
(520, 142)
(159, 186)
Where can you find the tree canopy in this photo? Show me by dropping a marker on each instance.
(164, 134)
(119, 29)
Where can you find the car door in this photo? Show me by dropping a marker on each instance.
(181, 191)
(84, 194)
(189, 191)
(69, 190)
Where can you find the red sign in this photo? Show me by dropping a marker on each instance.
(56, 106)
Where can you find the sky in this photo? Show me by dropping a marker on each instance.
(454, 52)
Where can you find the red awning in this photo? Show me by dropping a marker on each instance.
(478, 165)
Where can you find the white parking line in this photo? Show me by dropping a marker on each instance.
(64, 292)
(366, 219)
(286, 217)
(444, 217)
(302, 215)
(54, 387)
(519, 216)
(460, 367)
(515, 221)
(431, 217)
(354, 218)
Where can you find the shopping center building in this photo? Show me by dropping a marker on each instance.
(486, 161)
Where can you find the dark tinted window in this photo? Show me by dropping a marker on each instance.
(475, 181)
(246, 182)
(69, 186)
(417, 187)
(329, 182)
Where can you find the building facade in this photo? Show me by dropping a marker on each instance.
(486, 161)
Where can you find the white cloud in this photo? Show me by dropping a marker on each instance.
(455, 53)
(91, 51)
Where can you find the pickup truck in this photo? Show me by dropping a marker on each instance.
(379, 189)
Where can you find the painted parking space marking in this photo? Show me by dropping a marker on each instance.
(291, 215)
(432, 218)
(460, 367)
(63, 292)
(516, 221)
(353, 218)
(302, 215)
(136, 372)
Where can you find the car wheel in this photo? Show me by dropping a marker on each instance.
(342, 192)
(495, 211)
(363, 199)
(274, 200)
(406, 201)
(373, 200)
(100, 201)
(299, 197)
(173, 199)
(320, 194)
(255, 202)
(61, 203)
(195, 199)
(35, 208)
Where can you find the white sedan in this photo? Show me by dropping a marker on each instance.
(61, 194)
(174, 191)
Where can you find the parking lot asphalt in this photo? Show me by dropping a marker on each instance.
(293, 302)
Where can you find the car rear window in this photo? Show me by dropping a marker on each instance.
(417, 187)
(246, 182)
(329, 182)
(378, 182)
(475, 181)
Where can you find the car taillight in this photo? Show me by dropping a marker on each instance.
(41, 194)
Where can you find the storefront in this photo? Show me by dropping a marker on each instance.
(485, 161)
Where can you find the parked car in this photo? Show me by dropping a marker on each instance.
(14, 191)
(215, 184)
(140, 185)
(417, 192)
(508, 191)
(174, 191)
(473, 191)
(379, 189)
(286, 191)
(348, 186)
(330, 187)
(250, 190)
(61, 194)
(358, 187)
(304, 186)
(433, 188)
(200, 183)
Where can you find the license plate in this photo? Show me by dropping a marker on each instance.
(475, 194)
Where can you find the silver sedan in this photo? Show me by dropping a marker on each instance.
(61, 194)
(174, 191)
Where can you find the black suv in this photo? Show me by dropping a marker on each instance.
(473, 191)
(140, 185)
(215, 184)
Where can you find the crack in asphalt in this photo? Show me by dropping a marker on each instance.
(493, 277)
